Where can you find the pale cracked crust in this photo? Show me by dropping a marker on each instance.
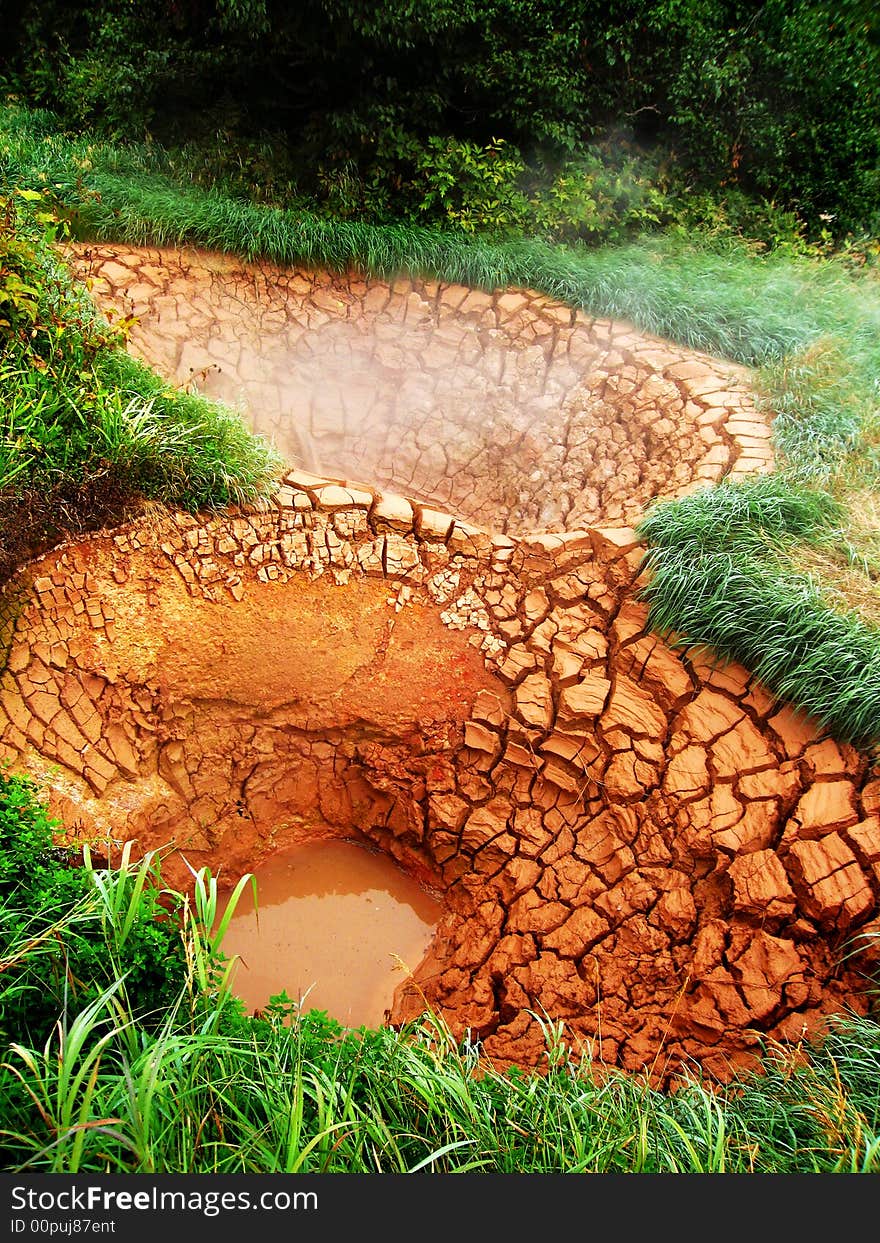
(513, 412)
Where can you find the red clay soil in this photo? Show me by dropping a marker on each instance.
(628, 841)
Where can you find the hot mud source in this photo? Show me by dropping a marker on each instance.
(632, 842)
(335, 926)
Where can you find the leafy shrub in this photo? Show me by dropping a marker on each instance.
(472, 186)
(85, 430)
(786, 103)
(55, 953)
(488, 189)
(730, 213)
(19, 294)
(604, 195)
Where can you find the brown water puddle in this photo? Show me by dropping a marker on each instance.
(337, 926)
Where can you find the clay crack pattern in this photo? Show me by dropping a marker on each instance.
(640, 844)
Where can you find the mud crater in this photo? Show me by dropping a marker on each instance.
(637, 843)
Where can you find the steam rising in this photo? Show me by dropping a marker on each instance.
(507, 410)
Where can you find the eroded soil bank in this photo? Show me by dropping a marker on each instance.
(628, 840)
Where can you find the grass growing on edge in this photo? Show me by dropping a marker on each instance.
(296, 1094)
(718, 579)
(207, 1089)
(753, 310)
(85, 430)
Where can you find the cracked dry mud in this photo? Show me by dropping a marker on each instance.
(508, 410)
(629, 840)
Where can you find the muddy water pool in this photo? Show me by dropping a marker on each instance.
(337, 926)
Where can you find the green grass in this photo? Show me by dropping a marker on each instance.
(811, 329)
(751, 309)
(86, 432)
(719, 578)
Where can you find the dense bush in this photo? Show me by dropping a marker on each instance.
(784, 100)
(41, 889)
(375, 108)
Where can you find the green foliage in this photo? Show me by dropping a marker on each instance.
(19, 271)
(294, 1093)
(749, 106)
(108, 64)
(605, 194)
(489, 190)
(362, 102)
(719, 580)
(328, 69)
(470, 186)
(27, 836)
(32, 299)
(42, 889)
(85, 431)
(124, 1051)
